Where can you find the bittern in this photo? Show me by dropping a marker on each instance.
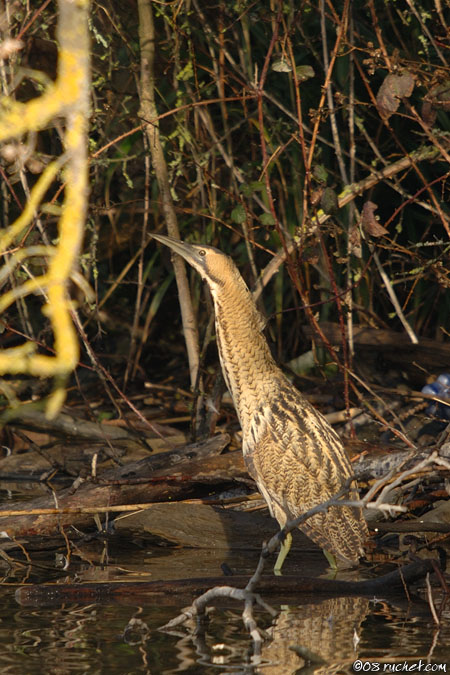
(296, 458)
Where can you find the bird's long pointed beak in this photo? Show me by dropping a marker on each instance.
(188, 252)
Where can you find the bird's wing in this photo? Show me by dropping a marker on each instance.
(298, 462)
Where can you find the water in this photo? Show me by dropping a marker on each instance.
(121, 635)
(118, 639)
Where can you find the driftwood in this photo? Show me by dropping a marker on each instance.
(172, 475)
(376, 461)
(414, 526)
(436, 520)
(149, 466)
(200, 526)
(73, 427)
(162, 477)
(139, 483)
(391, 584)
(396, 348)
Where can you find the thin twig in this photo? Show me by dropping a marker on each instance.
(411, 334)
(430, 600)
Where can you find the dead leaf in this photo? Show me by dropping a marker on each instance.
(394, 88)
(304, 73)
(281, 66)
(369, 222)
(440, 96)
(316, 196)
(428, 113)
(354, 240)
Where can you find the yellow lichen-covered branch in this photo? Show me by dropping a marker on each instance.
(68, 97)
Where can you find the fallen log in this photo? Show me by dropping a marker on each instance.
(396, 348)
(197, 525)
(52, 595)
(71, 426)
(126, 485)
(173, 475)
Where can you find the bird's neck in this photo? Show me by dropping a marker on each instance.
(247, 363)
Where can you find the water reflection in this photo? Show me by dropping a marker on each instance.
(320, 637)
(311, 637)
(324, 634)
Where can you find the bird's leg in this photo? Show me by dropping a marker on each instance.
(284, 550)
(331, 560)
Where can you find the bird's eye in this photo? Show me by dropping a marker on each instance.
(202, 252)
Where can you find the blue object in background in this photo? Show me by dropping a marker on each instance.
(440, 388)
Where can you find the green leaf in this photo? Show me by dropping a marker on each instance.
(257, 185)
(320, 173)
(246, 189)
(238, 215)
(267, 219)
(158, 298)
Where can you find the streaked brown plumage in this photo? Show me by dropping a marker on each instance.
(293, 454)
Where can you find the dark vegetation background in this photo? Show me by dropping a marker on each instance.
(247, 94)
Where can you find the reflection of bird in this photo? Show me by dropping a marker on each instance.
(323, 633)
(295, 457)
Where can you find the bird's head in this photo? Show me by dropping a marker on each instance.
(213, 265)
